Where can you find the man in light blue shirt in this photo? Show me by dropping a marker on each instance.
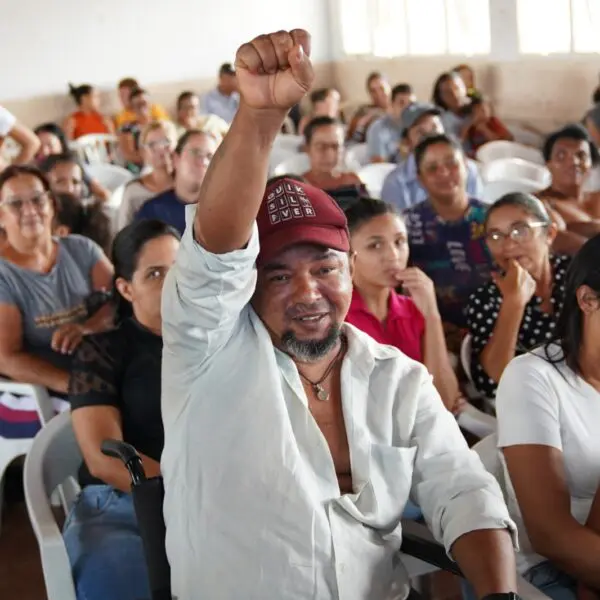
(224, 100)
(385, 134)
(402, 187)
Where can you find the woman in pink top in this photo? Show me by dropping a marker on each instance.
(409, 321)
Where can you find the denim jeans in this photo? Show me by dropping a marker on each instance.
(104, 546)
(546, 578)
(412, 512)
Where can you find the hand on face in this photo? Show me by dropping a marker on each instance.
(420, 288)
(274, 71)
(517, 284)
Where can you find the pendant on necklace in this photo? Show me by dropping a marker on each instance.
(322, 393)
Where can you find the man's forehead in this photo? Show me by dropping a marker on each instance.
(302, 252)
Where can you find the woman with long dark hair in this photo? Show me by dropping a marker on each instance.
(115, 393)
(548, 407)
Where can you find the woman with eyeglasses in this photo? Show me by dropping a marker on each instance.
(519, 308)
(157, 143)
(46, 284)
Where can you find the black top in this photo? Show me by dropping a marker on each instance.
(122, 368)
(536, 327)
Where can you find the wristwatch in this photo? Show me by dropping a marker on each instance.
(502, 596)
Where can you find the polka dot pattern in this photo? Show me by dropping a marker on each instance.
(537, 326)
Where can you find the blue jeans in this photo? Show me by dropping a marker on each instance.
(412, 512)
(104, 546)
(545, 577)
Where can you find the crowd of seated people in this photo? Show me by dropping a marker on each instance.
(416, 270)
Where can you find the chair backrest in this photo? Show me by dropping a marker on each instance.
(374, 175)
(96, 147)
(289, 141)
(296, 164)
(504, 149)
(465, 356)
(53, 460)
(358, 155)
(109, 176)
(516, 169)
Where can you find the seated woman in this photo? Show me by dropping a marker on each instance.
(157, 142)
(485, 127)
(467, 74)
(324, 102)
(65, 175)
(446, 232)
(88, 220)
(11, 128)
(450, 95)
(45, 284)
(570, 156)
(411, 322)
(189, 117)
(87, 119)
(54, 141)
(519, 308)
(548, 407)
(325, 148)
(114, 392)
(130, 131)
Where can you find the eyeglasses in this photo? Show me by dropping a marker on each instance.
(519, 233)
(16, 204)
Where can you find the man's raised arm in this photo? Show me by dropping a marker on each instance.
(274, 72)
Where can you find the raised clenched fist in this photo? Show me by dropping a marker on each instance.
(274, 70)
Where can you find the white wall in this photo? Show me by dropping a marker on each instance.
(47, 43)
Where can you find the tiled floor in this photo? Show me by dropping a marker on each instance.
(20, 569)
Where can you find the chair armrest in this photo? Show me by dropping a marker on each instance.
(417, 541)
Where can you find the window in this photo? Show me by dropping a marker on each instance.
(567, 26)
(391, 28)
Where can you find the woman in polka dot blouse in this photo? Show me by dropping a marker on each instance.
(518, 309)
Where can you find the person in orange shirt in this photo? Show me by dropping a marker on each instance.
(127, 114)
(87, 119)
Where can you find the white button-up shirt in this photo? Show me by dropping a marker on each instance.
(252, 507)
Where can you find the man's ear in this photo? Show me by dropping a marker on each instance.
(352, 262)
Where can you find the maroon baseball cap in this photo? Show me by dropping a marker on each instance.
(293, 213)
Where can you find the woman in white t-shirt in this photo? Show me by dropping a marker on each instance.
(548, 408)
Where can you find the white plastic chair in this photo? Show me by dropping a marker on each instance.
(288, 141)
(109, 176)
(358, 155)
(373, 176)
(295, 164)
(465, 356)
(508, 175)
(504, 149)
(96, 147)
(526, 136)
(10, 449)
(52, 461)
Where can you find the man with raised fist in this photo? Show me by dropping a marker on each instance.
(293, 440)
